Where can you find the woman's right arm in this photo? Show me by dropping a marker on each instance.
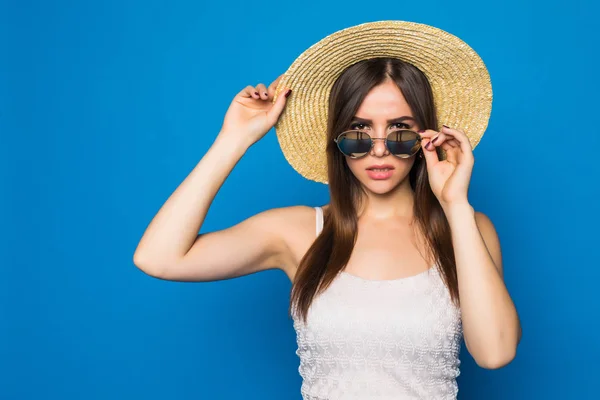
(171, 247)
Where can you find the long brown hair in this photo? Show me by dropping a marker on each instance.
(331, 250)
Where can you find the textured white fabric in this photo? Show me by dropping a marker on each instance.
(319, 219)
(380, 339)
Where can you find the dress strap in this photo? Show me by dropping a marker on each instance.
(319, 219)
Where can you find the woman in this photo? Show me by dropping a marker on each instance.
(377, 273)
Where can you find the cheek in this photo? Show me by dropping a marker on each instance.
(355, 165)
(408, 163)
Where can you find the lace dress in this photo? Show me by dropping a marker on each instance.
(380, 339)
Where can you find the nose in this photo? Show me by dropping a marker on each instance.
(379, 148)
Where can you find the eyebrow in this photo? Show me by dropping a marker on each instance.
(368, 121)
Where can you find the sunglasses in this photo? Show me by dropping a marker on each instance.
(402, 143)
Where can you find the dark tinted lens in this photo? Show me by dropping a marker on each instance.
(354, 144)
(403, 143)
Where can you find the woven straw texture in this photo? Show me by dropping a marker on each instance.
(459, 79)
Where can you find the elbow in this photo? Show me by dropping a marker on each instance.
(497, 359)
(497, 352)
(149, 268)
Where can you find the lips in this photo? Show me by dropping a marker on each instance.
(381, 167)
(380, 172)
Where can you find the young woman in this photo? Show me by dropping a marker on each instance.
(390, 275)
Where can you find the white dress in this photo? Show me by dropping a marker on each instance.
(380, 339)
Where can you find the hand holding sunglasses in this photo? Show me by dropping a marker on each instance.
(449, 177)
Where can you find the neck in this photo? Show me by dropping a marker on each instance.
(396, 203)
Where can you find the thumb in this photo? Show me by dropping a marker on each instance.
(278, 106)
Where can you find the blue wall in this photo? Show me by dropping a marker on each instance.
(106, 106)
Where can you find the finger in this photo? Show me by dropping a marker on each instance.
(429, 152)
(465, 157)
(448, 139)
(451, 142)
(451, 152)
(462, 139)
(428, 133)
(278, 106)
(262, 91)
(250, 91)
(438, 139)
(255, 94)
(429, 144)
(247, 91)
(273, 86)
(426, 136)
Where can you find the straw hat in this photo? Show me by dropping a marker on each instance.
(460, 81)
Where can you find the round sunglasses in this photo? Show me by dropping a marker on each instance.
(402, 143)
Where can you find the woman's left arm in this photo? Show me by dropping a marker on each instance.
(490, 322)
(491, 325)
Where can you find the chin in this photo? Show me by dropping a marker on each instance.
(380, 187)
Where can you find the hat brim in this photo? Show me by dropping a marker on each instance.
(459, 79)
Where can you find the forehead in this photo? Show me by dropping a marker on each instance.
(384, 101)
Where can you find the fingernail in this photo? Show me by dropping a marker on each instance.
(289, 91)
(428, 146)
(256, 93)
(446, 126)
(421, 131)
(266, 94)
(434, 139)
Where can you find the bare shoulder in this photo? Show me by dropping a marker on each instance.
(290, 220)
(482, 219)
(485, 225)
(296, 213)
(297, 227)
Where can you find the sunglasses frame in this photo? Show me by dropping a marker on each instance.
(419, 139)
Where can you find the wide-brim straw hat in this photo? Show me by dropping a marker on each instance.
(460, 82)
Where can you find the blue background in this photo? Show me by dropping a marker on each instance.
(105, 107)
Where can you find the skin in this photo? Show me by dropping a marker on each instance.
(382, 103)
(387, 242)
(387, 246)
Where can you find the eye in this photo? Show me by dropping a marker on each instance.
(361, 127)
(401, 125)
(358, 126)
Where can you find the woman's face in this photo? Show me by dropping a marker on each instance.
(383, 109)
